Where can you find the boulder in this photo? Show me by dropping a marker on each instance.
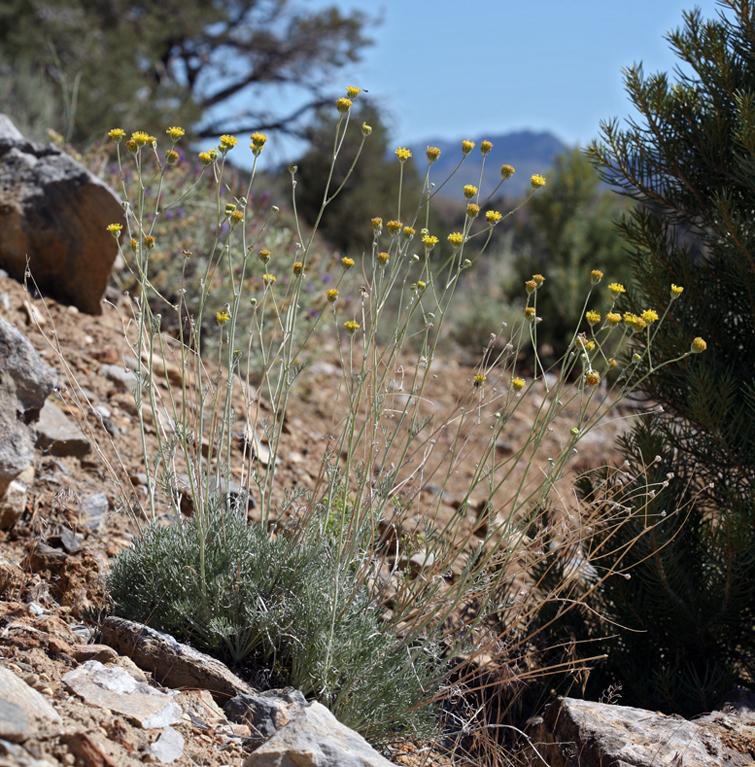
(580, 732)
(25, 382)
(55, 213)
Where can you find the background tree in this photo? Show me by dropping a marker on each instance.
(683, 627)
(164, 62)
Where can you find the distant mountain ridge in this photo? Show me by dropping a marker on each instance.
(527, 151)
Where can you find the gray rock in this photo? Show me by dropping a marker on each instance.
(266, 712)
(14, 724)
(58, 436)
(315, 738)
(17, 692)
(119, 375)
(171, 663)
(25, 382)
(597, 734)
(54, 212)
(115, 689)
(94, 509)
(169, 746)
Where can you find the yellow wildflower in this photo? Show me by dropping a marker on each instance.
(171, 157)
(473, 210)
(116, 134)
(456, 239)
(115, 229)
(383, 258)
(366, 129)
(152, 142)
(592, 378)
(518, 384)
(676, 291)
(589, 346)
(132, 146)
(466, 147)
(430, 241)
(433, 153)
(377, 224)
(268, 279)
(537, 181)
(140, 138)
(264, 256)
(227, 143)
(539, 279)
(204, 158)
(592, 317)
(351, 327)
(343, 105)
(149, 242)
(332, 295)
(650, 316)
(394, 227)
(352, 91)
(507, 172)
(596, 276)
(493, 217)
(617, 289)
(347, 262)
(134, 245)
(485, 147)
(298, 267)
(408, 232)
(236, 217)
(480, 379)
(613, 318)
(529, 313)
(175, 133)
(698, 345)
(222, 317)
(531, 287)
(470, 191)
(403, 154)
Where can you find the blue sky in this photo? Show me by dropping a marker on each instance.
(448, 69)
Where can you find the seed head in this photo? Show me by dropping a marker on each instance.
(132, 146)
(236, 217)
(297, 268)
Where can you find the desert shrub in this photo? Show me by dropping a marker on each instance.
(352, 536)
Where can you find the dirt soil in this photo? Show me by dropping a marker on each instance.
(43, 604)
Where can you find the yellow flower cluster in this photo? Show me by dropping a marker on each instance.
(383, 258)
(537, 181)
(377, 224)
(403, 154)
(518, 384)
(613, 318)
(116, 134)
(352, 91)
(617, 289)
(493, 217)
(485, 147)
(298, 268)
(456, 239)
(332, 295)
(433, 153)
(408, 232)
(347, 262)
(466, 147)
(507, 171)
(430, 241)
(114, 229)
(473, 210)
(227, 143)
(351, 327)
(592, 317)
(480, 379)
(258, 143)
(394, 227)
(343, 105)
(596, 276)
(470, 191)
(222, 317)
(175, 132)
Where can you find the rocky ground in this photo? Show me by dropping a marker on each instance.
(55, 556)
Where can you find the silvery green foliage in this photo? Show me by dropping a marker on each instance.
(267, 603)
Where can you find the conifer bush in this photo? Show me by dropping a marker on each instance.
(681, 631)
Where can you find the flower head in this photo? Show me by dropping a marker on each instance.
(352, 91)
(366, 129)
(466, 147)
(268, 279)
(227, 143)
(596, 276)
(115, 229)
(613, 318)
(403, 154)
(485, 147)
(383, 258)
(394, 227)
(408, 232)
(297, 268)
(589, 346)
(149, 242)
(433, 153)
(592, 317)
(650, 316)
(531, 287)
(132, 146)
(351, 327)
(676, 291)
(377, 224)
(222, 317)
(617, 289)
(470, 191)
(480, 379)
(507, 172)
(116, 134)
(529, 313)
(205, 158)
(517, 384)
(592, 378)
(140, 138)
(456, 239)
(537, 181)
(264, 256)
(493, 217)
(539, 279)
(698, 345)
(343, 106)
(236, 217)
(175, 133)
(332, 295)
(430, 241)
(347, 262)
(258, 143)
(473, 210)
(171, 157)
